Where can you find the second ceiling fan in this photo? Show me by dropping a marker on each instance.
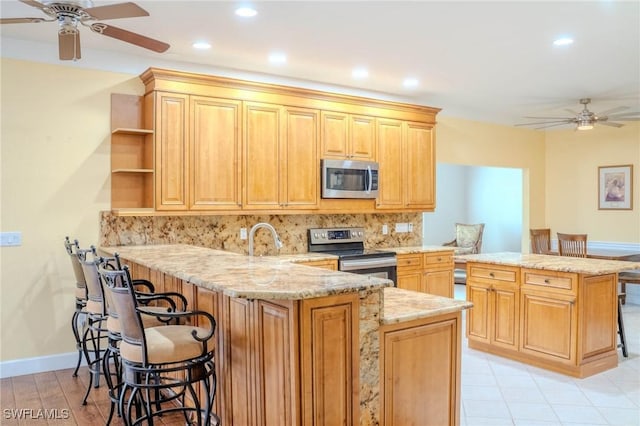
(69, 14)
(585, 119)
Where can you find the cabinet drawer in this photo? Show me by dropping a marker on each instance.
(549, 279)
(411, 261)
(505, 274)
(438, 259)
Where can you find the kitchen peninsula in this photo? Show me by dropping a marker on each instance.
(335, 348)
(553, 312)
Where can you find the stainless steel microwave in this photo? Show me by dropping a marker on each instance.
(349, 179)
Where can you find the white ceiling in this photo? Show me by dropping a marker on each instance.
(487, 61)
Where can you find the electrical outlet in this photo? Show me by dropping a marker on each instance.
(243, 233)
(385, 229)
(410, 227)
(10, 239)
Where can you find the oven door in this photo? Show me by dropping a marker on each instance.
(382, 267)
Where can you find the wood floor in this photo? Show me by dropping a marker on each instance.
(58, 395)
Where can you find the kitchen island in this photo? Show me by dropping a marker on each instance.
(554, 312)
(298, 345)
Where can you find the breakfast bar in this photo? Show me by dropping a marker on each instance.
(555, 312)
(335, 347)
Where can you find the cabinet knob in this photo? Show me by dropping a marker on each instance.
(546, 281)
(492, 275)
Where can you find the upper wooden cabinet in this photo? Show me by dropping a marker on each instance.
(406, 155)
(281, 168)
(197, 152)
(347, 136)
(210, 144)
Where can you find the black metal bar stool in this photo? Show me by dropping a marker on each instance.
(74, 251)
(623, 337)
(161, 365)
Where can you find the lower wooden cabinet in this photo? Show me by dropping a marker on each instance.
(430, 272)
(331, 264)
(495, 295)
(421, 359)
(305, 352)
(561, 321)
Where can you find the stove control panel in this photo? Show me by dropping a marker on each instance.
(336, 235)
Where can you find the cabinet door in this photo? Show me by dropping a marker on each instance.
(262, 161)
(423, 360)
(334, 134)
(277, 367)
(390, 154)
(410, 280)
(215, 154)
(299, 159)
(549, 326)
(329, 360)
(419, 161)
(439, 283)
(505, 320)
(362, 138)
(172, 134)
(478, 317)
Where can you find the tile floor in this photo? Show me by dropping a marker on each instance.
(497, 391)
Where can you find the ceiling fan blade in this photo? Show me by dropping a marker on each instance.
(34, 3)
(572, 112)
(626, 118)
(21, 20)
(622, 114)
(606, 123)
(613, 110)
(116, 11)
(69, 46)
(549, 118)
(556, 123)
(129, 37)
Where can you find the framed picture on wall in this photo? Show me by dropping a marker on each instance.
(615, 187)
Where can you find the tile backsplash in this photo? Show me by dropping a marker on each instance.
(223, 232)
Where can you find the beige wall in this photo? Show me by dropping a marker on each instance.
(572, 159)
(55, 177)
(483, 144)
(55, 181)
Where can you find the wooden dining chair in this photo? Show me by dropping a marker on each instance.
(540, 240)
(574, 245)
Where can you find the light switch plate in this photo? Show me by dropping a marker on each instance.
(243, 233)
(402, 227)
(385, 229)
(8, 239)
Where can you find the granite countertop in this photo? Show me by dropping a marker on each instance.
(406, 305)
(246, 277)
(302, 257)
(416, 249)
(552, 263)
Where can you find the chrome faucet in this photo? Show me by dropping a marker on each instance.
(274, 234)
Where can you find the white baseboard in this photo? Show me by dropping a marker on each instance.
(20, 367)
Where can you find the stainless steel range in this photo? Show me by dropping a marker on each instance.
(348, 245)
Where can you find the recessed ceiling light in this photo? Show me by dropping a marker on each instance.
(360, 73)
(246, 12)
(563, 41)
(410, 82)
(277, 58)
(202, 45)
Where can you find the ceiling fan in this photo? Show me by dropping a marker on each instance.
(585, 119)
(70, 13)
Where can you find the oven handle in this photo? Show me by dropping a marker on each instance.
(355, 264)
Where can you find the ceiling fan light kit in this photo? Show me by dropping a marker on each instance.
(585, 119)
(70, 13)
